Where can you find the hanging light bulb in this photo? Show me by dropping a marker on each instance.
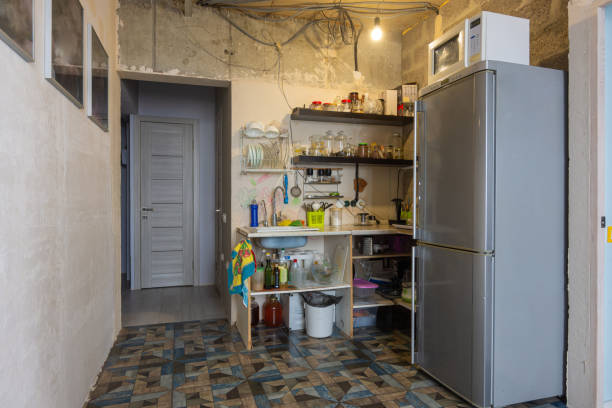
(376, 31)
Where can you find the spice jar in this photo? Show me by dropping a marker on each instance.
(346, 105)
(254, 306)
(363, 150)
(330, 107)
(273, 312)
(316, 105)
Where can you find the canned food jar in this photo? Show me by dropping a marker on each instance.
(363, 150)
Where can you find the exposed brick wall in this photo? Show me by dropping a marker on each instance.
(548, 32)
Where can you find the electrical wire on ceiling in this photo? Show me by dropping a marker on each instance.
(338, 22)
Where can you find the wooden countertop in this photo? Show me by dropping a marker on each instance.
(250, 232)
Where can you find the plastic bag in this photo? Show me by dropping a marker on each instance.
(320, 299)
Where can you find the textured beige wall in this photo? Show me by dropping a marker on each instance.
(59, 241)
(548, 32)
(155, 36)
(263, 101)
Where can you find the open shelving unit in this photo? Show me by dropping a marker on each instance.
(373, 301)
(349, 117)
(305, 160)
(331, 286)
(381, 256)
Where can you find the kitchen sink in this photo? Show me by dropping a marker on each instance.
(284, 229)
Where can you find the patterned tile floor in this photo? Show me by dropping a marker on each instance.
(205, 364)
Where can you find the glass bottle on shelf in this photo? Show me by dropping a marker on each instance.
(397, 145)
(254, 306)
(268, 273)
(273, 312)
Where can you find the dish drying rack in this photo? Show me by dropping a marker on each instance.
(265, 155)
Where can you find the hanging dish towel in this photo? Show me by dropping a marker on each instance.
(241, 268)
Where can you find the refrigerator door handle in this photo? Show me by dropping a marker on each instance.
(412, 313)
(416, 182)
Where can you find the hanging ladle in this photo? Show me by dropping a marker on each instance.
(295, 190)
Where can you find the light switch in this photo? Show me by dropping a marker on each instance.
(610, 234)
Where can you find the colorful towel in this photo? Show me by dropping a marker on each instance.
(241, 268)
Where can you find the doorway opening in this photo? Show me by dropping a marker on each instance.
(174, 201)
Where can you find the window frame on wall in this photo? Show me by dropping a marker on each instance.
(49, 66)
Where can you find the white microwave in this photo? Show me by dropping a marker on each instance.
(485, 36)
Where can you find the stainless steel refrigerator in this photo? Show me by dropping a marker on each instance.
(490, 197)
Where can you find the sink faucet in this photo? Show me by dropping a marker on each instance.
(274, 215)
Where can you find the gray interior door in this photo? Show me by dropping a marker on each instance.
(455, 178)
(454, 309)
(166, 201)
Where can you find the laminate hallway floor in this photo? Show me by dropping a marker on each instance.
(205, 364)
(170, 305)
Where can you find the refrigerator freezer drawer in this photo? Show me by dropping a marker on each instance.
(456, 152)
(454, 319)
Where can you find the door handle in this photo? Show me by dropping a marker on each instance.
(218, 210)
(149, 209)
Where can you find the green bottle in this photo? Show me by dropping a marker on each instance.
(268, 274)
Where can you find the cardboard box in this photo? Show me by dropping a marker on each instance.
(390, 98)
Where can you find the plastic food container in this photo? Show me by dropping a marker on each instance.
(364, 317)
(363, 289)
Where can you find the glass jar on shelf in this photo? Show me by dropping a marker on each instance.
(273, 312)
(327, 143)
(339, 144)
(314, 149)
(316, 105)
(346, 105)
(363, 150)
(369, 104)
(330, 107)
(388, 151)
(397, 145)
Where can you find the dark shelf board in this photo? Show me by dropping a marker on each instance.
(348, 117)
(302, 160)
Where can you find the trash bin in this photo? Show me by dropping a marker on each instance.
(319, 313)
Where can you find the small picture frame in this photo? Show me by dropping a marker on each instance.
(17, 26)
(97, 79)
(63, 65)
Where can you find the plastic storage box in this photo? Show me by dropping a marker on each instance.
(363, 289)
(364, 317)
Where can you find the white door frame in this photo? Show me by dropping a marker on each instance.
(601, 199)
(135, 120)
(586, 202)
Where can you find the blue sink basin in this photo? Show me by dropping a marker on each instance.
(282, 242)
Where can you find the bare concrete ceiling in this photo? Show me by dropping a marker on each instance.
(389, 20)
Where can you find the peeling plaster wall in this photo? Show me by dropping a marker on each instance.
(548, 32)
(155, 36)
(60, 235)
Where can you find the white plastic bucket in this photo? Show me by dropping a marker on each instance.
(319, 321)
